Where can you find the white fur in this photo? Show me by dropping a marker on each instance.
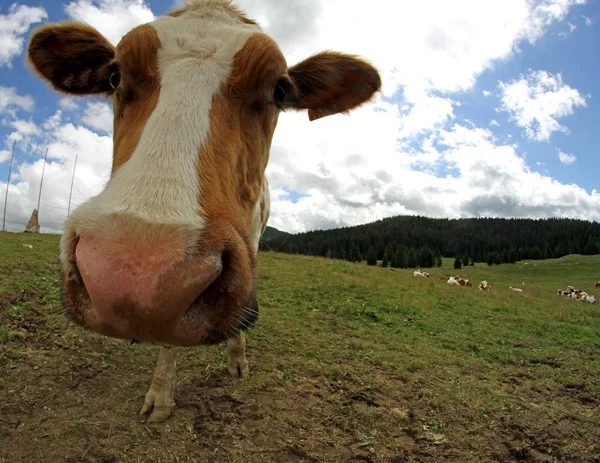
(160, 181)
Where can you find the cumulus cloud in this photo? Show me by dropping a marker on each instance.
(9, 99)
(98, 116)
(12, 28)
(112, 18)
(68, 103)
(536, 101)
(407, 153)
(565, 158)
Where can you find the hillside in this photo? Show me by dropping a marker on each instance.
(409, 241)
(347, 363)
(272, 234)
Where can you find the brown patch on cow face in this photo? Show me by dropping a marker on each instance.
(232, 163)
(137, 94)
(242, 121)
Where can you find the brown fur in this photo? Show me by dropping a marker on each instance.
(444, 278)
(137, 95)
(332, 82)
(597, 284)
(75, 58)
(224, 4)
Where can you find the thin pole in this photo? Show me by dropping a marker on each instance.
(8, 183)
(72, 180)
(41, 183)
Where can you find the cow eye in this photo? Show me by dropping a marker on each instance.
(280, 92)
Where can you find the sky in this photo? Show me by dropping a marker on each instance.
(488, 109)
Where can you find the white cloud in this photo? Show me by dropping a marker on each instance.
(68, 103)
(486, 93)
(12, 27)
(4, 156)
(494, 123)
(112, 18)
(98, 116)
(565, 158)
(589, 21)
(24, 129)
(9, 98)
(409, 154)
(535, 103)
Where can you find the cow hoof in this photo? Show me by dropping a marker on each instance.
(155, 409)
(238, 368)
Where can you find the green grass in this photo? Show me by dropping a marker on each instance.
(383, 364)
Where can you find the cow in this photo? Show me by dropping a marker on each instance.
(166, 253)
(445, 278)
(453, 281)
(597, 284)
(468, 283)
(517, 290)
(484, 286)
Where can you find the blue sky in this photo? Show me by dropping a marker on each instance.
(427, 146)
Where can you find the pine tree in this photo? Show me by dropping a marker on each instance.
(402, 257)
(395, 260)
(412, 259)
(465, 260)
(371, 256)
(457, 262)
(491, 258)
(385, 261)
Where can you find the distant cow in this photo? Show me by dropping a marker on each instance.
(452, 281)
(444, 278)
(484, 286)
(418, 273)
(468, 283)
(517, 290)
(597, 284)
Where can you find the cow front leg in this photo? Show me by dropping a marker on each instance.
(237, 365)
(160, 399)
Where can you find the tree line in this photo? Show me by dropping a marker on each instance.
(415, 241)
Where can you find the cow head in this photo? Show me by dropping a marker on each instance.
(166, 252)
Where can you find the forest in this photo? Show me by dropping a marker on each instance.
(415, 241)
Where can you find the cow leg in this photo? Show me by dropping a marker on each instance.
(160, 400)
(237, 365)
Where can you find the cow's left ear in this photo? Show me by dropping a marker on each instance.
(331, 83)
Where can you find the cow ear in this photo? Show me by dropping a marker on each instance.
(75, 58)
(331, 83)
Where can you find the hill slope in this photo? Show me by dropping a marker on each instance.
(417, 238)
(347, 363)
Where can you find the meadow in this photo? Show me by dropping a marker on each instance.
(348, 363)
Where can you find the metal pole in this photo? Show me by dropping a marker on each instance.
(41, 183)
(72, 180)
(8, 183)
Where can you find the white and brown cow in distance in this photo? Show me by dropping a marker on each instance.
(166, 254)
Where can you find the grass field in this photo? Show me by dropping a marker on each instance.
(348, 363)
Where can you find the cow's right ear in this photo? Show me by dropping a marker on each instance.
(74, 57)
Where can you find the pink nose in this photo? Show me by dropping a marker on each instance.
(141, 296)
